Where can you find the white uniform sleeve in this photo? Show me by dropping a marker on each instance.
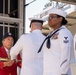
(17, 48)
(75, 45)
(65, 40)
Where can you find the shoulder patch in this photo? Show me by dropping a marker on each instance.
(65, 40)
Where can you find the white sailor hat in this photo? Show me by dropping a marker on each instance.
(36, 19)
(58, 12)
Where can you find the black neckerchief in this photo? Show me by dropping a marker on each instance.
(48, 40)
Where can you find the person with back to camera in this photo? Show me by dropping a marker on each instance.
(32, 62)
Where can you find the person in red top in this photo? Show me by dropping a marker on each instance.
(8, 67)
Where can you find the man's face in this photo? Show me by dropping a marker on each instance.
(8, 42)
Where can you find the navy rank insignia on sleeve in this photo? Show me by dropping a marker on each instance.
(66, 40)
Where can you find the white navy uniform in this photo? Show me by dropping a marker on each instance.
(74, 45)
(57, 58)
(32, 62)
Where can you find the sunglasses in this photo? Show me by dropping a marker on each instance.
(51, 17)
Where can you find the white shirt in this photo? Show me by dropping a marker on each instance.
(57, 58)
(75, 45)
(6, 50)
(32, 62)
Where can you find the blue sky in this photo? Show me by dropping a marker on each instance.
(33, 9)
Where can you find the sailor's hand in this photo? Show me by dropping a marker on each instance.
(8, 63)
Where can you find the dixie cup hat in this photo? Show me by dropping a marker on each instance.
(58, 12)
(36, 19)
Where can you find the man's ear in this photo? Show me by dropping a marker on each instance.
(41, 27)
(3, 40)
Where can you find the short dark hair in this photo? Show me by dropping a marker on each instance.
(39, 21)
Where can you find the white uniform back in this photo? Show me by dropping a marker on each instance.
(32, 62)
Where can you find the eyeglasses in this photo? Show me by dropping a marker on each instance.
(51, 17)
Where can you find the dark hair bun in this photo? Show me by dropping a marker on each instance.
(64, 21)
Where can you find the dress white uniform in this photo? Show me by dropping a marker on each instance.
(74, 45)
(32, 62)
(57, 58)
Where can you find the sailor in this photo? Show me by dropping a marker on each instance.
(57, 48)
(32, 62)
